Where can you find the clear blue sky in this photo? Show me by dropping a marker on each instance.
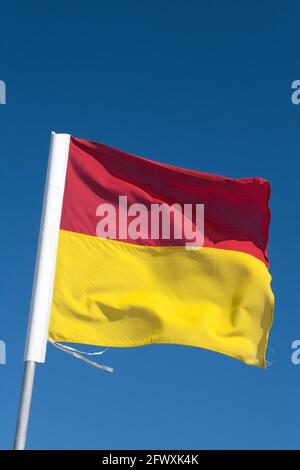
(201, 84)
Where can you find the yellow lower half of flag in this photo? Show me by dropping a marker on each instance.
(110, 293)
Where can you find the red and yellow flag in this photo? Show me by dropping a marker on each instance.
(121, 280)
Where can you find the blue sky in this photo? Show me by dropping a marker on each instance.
(201, 84)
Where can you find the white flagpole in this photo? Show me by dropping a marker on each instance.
(41, 300)
(24, 406)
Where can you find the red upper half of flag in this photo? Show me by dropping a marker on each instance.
(236, 212)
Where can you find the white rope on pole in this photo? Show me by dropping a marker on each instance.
(81, 355)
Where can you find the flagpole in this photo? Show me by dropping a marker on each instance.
(41, 299)
(24, 406)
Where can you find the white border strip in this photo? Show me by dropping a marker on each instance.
(41, 301)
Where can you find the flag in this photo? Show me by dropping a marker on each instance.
(152, 253)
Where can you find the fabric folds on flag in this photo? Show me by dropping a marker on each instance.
(130, 291)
